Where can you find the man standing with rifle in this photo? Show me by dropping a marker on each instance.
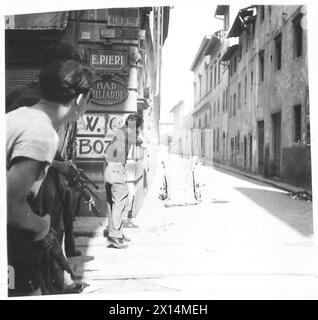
(31, 145)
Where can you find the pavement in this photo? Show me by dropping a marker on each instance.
(272, 182)
(244, 240)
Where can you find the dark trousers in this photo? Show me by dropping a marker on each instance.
(24, 259)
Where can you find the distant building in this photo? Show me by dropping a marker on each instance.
(176, 143)
(251, 90)
(166, 133)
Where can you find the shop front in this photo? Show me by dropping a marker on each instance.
(123, 45)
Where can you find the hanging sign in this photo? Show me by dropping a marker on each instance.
(109, 92)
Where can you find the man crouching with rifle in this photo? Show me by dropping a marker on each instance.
(31, 144)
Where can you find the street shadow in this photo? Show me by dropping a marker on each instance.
(295, 213)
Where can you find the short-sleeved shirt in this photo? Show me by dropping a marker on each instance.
(30, 134)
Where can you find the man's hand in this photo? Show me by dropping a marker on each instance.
(62, 166)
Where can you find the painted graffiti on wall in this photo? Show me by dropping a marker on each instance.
(92, 124)
(95, 131)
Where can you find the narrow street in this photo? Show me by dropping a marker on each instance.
(244, 240)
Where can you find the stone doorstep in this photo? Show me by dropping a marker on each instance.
(278, 184)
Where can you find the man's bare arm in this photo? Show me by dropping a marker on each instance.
(20, 179)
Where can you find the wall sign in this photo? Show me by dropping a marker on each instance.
(91, 124)
(120, 34)
(127, 17)
(111, 61)
(94, 132)
(109, 92)
(91, 147)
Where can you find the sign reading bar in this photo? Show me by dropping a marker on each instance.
(108, 60)
(109, 92)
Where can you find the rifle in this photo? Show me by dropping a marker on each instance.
(196, 185)
(78, 180)
(164, 189)
(51, 243)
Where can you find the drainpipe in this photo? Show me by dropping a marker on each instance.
(134, 58)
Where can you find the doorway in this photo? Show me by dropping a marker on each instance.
(202, 143)
(276, 130)
(260, 131)
(251, 151)
(245, 152)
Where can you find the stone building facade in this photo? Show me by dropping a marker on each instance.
(260, 106)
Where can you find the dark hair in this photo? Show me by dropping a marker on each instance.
(63, 81)
(134, 117)
(60, 52)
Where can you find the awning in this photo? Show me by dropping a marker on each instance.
(37, 21)
(244, 17)
(229, 52)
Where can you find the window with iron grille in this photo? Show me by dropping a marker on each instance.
(234, 104)
(218, 140)
(206, 79)
(262, 13)
(223, 104)
(245, 91)
(238, 143)
(239, 96)
(261, 65)
(278, 51)
(219, 71)
(218, 106)
(298, 36)
(308, 133)
(297, 123)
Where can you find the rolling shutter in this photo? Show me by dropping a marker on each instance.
(19, 76)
